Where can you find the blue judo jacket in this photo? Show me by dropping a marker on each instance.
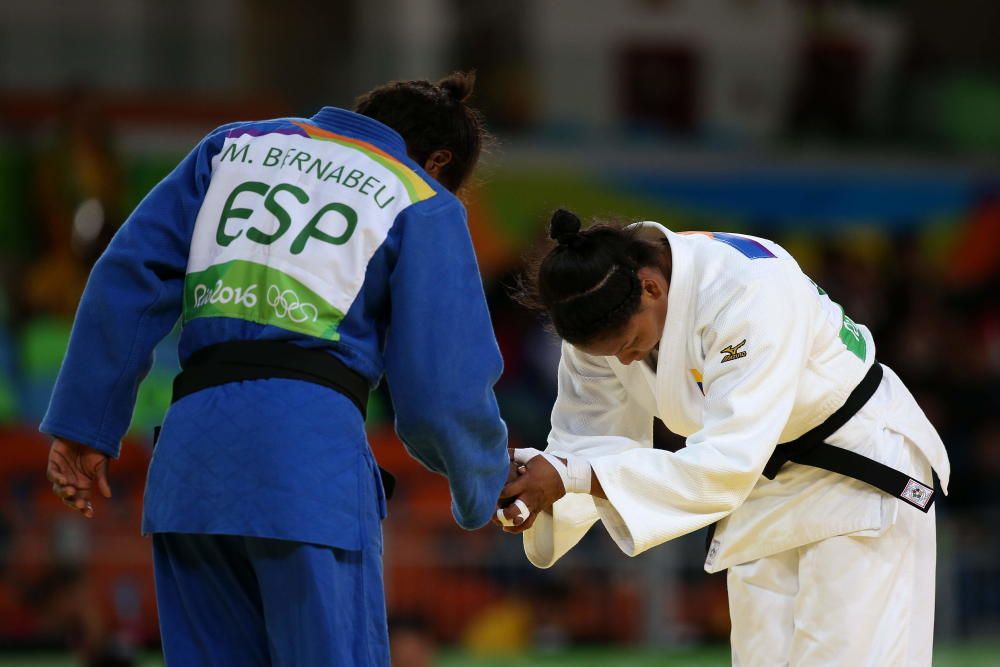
(323, 233)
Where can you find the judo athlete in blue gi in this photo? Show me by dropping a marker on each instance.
(306, 258)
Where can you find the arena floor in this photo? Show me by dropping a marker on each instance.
(959, 655)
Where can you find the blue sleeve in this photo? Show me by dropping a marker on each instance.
(442, 360)
(131, 301)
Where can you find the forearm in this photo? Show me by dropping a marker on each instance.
(132, 300)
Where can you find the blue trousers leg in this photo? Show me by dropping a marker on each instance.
(208, 601)
(322, 606)
(229, 600)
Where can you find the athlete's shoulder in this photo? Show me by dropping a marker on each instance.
(437, 204)
(259, 127)
(231, 129)
(736, 257)
(740, 271)
(731, 246)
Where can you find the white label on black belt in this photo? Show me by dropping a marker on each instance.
(917, 493)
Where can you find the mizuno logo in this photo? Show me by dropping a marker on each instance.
(732, 352)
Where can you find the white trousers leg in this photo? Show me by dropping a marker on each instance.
(762, 608)
(845, 601)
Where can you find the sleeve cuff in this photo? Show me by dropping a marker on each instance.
(56, 430)
(554, 534)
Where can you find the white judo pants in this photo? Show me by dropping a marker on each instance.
(844, 601)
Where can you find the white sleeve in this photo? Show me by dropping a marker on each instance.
(654, 495)
(592, 417)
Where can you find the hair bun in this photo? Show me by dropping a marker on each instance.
(564, 227)
(458, 85)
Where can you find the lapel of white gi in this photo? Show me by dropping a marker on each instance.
(673, 372)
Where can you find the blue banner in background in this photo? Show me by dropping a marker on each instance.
(783, 198)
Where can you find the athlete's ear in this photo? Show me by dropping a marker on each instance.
(437, 161)
(650, 285)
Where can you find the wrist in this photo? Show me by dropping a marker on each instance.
(579, 474)
(574, 471)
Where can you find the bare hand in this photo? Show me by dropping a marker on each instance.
(75, 470)
(538, 486)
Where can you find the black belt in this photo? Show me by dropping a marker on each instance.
(241, 360)
(810, 449)
(238, 361)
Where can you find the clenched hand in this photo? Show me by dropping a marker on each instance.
(538, 486)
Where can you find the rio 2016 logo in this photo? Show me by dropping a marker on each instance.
(221, 293)
(285, 302)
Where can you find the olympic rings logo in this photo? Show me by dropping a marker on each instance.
(286, 303)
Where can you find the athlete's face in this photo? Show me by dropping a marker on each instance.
(642, 333)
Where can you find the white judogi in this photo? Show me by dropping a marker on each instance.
(731, 295)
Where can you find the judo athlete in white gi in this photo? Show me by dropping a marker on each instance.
(304, 257)
(725, 339)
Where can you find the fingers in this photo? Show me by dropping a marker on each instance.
(517, 511)
(515, 488)
(74, 471)
(72, 490)
(57, 469)
(520, 514)
(512, 473)
(523, 526)
(55, 475)
(74, 498)
(514, 514)
(102, 481)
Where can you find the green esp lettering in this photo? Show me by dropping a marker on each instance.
(311, 230)
(279, 213)
(231, 153)
(353, 178)
(273, 156)
(229, 211)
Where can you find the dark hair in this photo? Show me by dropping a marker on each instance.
(432, 116)
(588, 283)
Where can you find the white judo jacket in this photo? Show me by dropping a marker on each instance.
(753, 354)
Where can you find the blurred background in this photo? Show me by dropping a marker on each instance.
(862, 135)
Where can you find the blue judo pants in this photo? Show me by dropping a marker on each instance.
(227, 601)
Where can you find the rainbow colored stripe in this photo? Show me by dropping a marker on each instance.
(416, 187)
(747, 246)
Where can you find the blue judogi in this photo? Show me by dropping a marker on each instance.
(284, 464)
